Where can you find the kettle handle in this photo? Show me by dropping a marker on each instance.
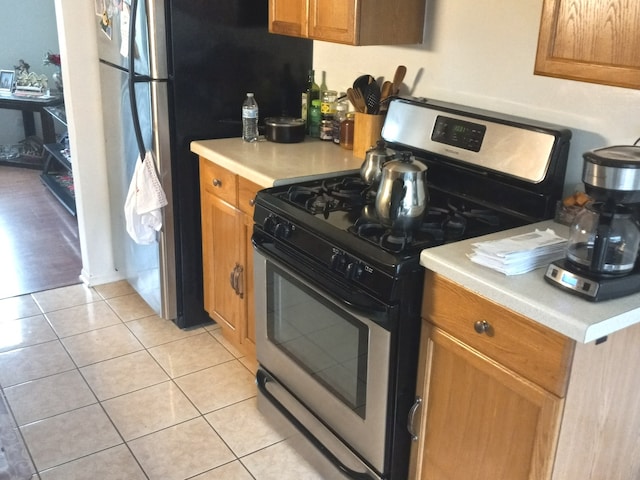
(398, 192)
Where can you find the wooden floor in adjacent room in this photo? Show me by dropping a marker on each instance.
(39, 245)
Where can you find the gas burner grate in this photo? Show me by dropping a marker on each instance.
(395, 242)
(342, 194)
(482, 215)
(441, 224)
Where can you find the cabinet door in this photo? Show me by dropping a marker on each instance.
(590, 40)
(247, 191)
(288, 17)
(482, 420)
(206, 218)
(226, 265)
(248, 331)
(333, 20)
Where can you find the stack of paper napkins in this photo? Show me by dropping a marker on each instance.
(521, 253)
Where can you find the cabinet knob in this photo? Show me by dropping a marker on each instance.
(216, 182)
(482, 326)
(252, 202)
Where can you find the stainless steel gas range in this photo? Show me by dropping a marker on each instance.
(338, 296)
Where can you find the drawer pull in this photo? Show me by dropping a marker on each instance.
(233, 277)
(216, 182)
(482, 326)
(411, 418)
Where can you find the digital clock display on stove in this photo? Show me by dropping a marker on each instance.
(458, 133)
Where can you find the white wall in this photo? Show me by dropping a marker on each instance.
(481, 53)
(477, 52)
(27, 31)
(76, 22)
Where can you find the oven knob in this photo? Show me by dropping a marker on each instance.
(269, 223)
(354, 271)
(337, 262)
(282, 230)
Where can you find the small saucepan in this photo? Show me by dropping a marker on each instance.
(284, 129)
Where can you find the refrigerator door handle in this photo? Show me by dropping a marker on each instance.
(137, 130)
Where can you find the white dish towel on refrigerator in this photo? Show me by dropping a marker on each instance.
(142, 208)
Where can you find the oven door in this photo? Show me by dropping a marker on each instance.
(330, 358)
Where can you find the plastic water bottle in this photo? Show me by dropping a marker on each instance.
(250, 119)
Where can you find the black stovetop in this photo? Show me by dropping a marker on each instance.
(329, 229)
(346, 203)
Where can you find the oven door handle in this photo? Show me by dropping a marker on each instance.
(261, 379)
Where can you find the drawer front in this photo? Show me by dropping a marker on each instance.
(516, 342)
(220, 181)
(247, 191)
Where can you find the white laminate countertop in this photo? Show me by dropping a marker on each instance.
(529, 294)
(267, 163)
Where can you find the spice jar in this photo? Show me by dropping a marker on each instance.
(326, 130)
(327, 106)
(338, 118)
(346, 132)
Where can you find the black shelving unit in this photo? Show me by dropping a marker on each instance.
(57, 173)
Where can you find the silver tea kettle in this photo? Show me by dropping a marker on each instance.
(374, 160)
(402, 197)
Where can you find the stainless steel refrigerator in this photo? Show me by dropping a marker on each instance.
(189, 64)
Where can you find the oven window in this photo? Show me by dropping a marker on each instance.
(327, 342)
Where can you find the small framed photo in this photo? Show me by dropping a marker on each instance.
(6, 80)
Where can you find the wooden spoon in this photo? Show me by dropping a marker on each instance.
(356, 99)
(401, 71)
(385, 91)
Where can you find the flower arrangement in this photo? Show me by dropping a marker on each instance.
(51, 59)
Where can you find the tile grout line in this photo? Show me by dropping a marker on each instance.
(77, 369)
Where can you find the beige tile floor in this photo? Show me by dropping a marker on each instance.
(101, 388)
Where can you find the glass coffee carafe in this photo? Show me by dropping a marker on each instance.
(604, 239)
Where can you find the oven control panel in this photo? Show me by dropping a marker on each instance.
(481, 139)
(458, 133)
(326, 257)
(348, 267)
(277, 226)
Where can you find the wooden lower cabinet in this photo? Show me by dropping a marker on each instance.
(488, 411)
(227, 223)
(483, 420)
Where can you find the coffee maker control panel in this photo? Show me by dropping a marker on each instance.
(592, 288)
(578, 284)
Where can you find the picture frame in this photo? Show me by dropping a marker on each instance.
(6, 80)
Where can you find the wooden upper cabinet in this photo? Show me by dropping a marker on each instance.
(288, 17)
(352, 22)
(332, 20)
(590, 40)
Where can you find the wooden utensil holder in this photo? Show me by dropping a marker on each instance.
(367, 131)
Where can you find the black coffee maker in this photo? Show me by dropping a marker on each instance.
(602, 251)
